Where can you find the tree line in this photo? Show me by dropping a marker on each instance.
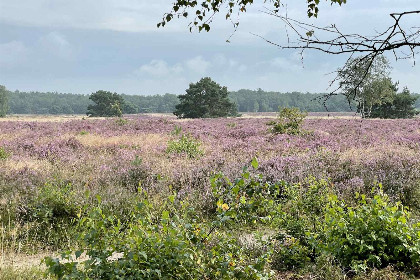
(246, 100)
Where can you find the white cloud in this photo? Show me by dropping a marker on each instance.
(118, 15)
(159, 68)
(198, 65)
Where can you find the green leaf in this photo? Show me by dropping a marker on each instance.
(254, 163)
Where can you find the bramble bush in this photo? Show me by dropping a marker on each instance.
(249, 199)
(165, 241)
(289, 121)
(300, 220)
(373, 234)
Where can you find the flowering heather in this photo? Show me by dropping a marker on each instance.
(100, 155)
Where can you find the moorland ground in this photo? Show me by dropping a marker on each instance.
(53, 169)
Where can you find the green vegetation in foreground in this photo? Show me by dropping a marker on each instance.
(257, 229)
(23, 273)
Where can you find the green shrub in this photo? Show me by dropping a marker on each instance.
(289, 121)
(160, 242)
(3, 153)
(373, 234)
(49, 215)
(300, 220)
(121, 121)
(290, 254)
(249, 199)
(184, 144)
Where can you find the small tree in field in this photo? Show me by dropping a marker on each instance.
(107, 104)
(205, 99)
(367, 82)
(3, 101)
(289, 121)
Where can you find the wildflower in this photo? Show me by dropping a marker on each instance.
(225, 207)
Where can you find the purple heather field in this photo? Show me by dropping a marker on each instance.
(112, 157)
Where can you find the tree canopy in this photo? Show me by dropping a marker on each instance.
(3, 101)
(107, 104)
(203, 13)
(205, 99)
(367, 82)
(401, 106)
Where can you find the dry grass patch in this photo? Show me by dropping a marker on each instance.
(145, 141)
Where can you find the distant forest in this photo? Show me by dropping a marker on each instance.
(246, 100)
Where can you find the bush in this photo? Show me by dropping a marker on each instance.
(184, 144)
(50, 214)
(373, 234)
(289, 121)
(121, 121)
(160, 242)
(300, 221)
(248, 199)
(3, 153)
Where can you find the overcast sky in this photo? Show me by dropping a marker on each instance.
(83, 46)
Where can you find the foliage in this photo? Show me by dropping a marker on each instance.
(22, 273)
(121, 121)
(203, 12)
(107, 104)
(4, 96)
(400, 107)
(367, 81)
(268, 101)
(205, 99)
(3, 153)
(160, 242)
(50, 214)
(289, 121)
(301, 219)
(184, 144)
(373, 233)
(249, 199)
(129, 107)
(246, 100)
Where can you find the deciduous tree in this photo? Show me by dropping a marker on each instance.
(367, 82)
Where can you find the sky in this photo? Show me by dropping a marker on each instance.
(84, 46)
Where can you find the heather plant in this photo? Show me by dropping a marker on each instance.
(289, 121)
(160, 242)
